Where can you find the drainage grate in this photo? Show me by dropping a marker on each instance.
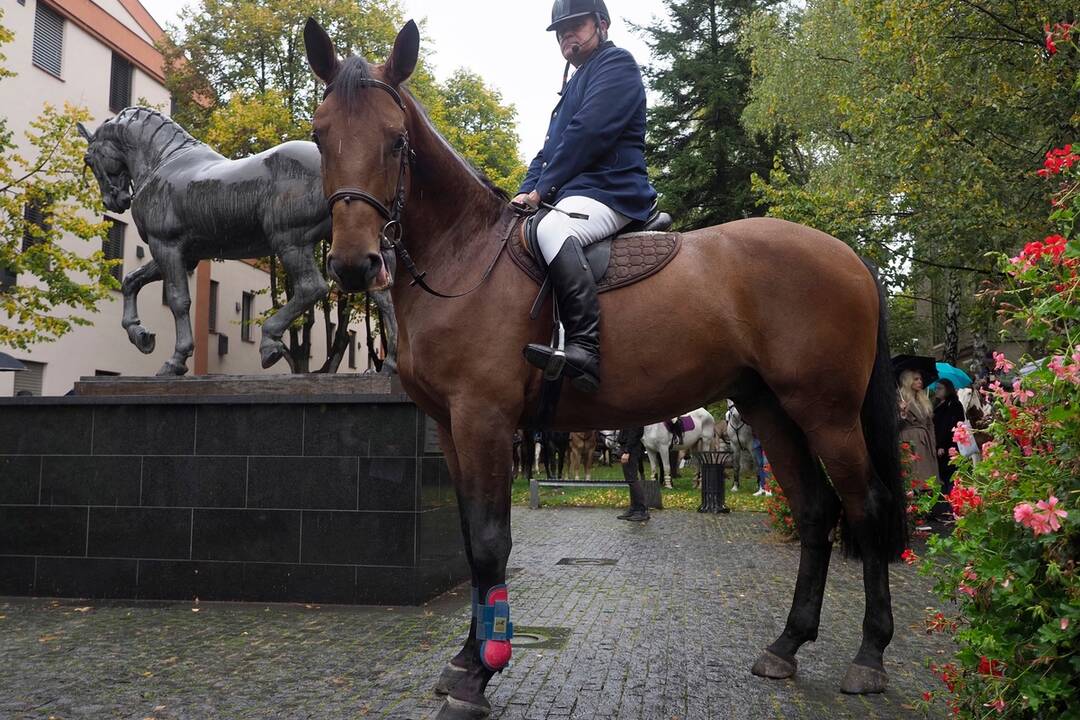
(588, 561)
(540, 638)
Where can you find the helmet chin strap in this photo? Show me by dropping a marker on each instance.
(575, 50)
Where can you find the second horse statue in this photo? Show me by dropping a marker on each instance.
(190, 203)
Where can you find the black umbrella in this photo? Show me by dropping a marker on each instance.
(10, 364)
(926, 366)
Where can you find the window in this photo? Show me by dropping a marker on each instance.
(48, 39)
(8, 278)
(31, 380)
(113, 247)
(119, 84)
(34, 217)
(352, 349)
(247, 310)
(213, 305)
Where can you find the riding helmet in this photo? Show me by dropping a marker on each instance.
(566, 9)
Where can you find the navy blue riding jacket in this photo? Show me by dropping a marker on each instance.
(595, 144)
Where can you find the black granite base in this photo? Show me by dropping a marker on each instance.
(343, 499)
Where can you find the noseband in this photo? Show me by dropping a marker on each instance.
(391, 232)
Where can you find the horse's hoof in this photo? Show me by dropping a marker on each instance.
(863, 680)
(454, 709)
(774, 667)
(667, 486)
(450, 676)
(144, 340)
(171, 369)
(271, 352)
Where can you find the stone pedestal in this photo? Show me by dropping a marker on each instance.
(288, 489)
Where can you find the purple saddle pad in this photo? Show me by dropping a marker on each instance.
(685, 423)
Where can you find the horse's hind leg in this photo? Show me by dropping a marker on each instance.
(134, 281)
(308, 288)
(866, 502)
(816, 508)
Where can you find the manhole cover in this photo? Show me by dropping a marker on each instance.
(587, 561)
(540, 638)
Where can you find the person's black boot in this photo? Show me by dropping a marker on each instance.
(575, 291)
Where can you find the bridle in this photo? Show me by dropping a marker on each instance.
(392, 235)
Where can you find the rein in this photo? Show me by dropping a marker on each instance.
(392, 234)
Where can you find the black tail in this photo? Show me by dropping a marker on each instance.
(887, 499)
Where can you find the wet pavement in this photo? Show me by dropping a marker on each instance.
(639, 622)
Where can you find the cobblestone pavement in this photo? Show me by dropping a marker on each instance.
(668, 631)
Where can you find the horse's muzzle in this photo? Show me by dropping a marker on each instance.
(117, 202)
(356, 278)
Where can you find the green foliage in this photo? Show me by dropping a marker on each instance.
(701, 158)
(917, 123)
(1011, 565)
(57, 286)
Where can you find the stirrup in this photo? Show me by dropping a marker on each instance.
(557, 362)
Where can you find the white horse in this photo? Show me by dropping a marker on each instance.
(657, 441)
(740, 439)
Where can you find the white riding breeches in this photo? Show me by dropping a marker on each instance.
(553, 230)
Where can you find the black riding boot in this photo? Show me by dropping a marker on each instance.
(575, 291)
(639, 508)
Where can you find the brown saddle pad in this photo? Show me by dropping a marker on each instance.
(634, 257)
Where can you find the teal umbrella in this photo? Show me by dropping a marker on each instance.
(953, 374)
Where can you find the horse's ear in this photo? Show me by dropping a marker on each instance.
(402, 61)
(88, 136)
(320, 51)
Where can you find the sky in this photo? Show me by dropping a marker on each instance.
(505, 43)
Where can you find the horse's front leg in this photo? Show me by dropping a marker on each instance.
(134, 281)
(171, 261)
(483, 446)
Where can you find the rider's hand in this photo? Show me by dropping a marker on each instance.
(625, 458)
(531, 199)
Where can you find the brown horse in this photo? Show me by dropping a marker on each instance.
(582, 449)
(786, 320)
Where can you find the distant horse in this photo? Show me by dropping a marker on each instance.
(192, 204)
(554, 449)
(772, 314)
(582, 452)
(658, 442)
(608, 443)
(740, 440)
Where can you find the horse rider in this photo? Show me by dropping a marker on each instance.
(631, 452)
(592, 164)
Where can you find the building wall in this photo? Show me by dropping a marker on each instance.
(85, 78)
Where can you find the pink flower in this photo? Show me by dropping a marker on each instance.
(1001, 364)
(966, 589)
(1051, 512)
(1064, 623)
(1023, 513)
(1021, 396)
(961, 435)
(998, 705)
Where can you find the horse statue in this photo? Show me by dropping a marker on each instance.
(740, 441)
(775, 315)
(698, 428)
(192, 204)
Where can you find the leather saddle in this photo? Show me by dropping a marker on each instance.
(640, 250)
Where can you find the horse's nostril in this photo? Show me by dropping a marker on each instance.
(374, 261)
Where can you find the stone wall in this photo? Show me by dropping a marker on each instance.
(338, 499)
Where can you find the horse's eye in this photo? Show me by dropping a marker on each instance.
(399, 145)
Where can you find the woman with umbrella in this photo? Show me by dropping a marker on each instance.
(948, 413)
(917, 424)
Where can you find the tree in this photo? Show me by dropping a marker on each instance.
(243, 85)
(44, 197)
(915, 122)
(701, 157)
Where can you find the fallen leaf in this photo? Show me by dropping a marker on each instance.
(83, 609)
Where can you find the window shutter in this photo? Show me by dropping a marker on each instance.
(48, 39)
(113, 247)
(33, 215)
(120, 84)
